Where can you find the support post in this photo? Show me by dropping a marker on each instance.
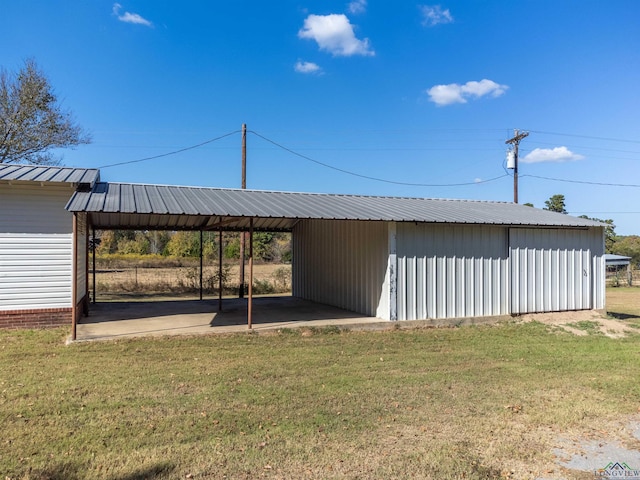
(201, 256)
(243, 186)
(93, 261)
(85, 293)
(220, 269)
(74, 277)
(250, 304)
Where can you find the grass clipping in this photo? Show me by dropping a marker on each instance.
(472, 403)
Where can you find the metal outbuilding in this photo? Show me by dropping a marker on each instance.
(615, 263)
(389, 257)
(394, 258)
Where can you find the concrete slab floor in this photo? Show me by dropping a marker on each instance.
(114, 320)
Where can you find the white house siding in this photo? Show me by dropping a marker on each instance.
(340, 263)
(451, 271)
(35, 271)
(35, 247)
(35, 209)
(556, 269)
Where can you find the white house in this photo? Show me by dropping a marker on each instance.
(36, 245)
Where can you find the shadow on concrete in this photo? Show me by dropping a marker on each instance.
(173, 317)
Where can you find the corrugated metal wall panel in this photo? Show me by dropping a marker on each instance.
(35, 209)
(35, 271)
(556, 269)
(340, 263)
(451, 271)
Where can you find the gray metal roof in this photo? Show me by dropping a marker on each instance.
(611, 259)
(124, 205)
(78, 177)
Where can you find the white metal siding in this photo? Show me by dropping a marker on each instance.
(35, 271)
(340, 263)
(556, 269)
(451, 271)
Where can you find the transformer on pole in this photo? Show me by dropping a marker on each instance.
(512, 160)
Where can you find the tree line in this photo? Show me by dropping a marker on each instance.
(267, 246)
(629, 246)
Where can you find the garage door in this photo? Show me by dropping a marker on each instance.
(550, 270)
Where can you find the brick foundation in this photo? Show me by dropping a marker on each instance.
(35, 318)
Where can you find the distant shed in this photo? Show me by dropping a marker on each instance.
(616, 263)
(612, 260)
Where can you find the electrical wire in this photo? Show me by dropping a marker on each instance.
(171, 153)
(586, 136)
(536, 142)
(367, 177)
(582, 181)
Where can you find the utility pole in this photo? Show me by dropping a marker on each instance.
(244, 186)
(515, 141)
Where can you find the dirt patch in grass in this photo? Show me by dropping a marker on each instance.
(584, 323)
(622, 317)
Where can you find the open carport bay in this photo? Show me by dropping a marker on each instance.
(112, 320)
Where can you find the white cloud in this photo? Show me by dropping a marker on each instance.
(557, 154)
(334, 33)
(434, 15)
(455, 93)
(357, 6)
(128, 17)
(307, 67)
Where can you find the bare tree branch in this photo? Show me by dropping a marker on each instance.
(32, 122)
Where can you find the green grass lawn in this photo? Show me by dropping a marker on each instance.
(472, 402)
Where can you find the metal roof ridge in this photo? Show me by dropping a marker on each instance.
(348, 195)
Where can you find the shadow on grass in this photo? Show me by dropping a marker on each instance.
(622, 316)
(158, 471)
(72, 471)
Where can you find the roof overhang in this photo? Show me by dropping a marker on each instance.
(616, 260)
(83, 179)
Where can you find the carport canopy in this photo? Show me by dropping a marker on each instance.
(165, 207)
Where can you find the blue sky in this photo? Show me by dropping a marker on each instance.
(406, 92)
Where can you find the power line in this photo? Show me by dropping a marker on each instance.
(537, 142)
(600, 213)
(171, 153)
(367, 177)
(582, 181)
(586, 136)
